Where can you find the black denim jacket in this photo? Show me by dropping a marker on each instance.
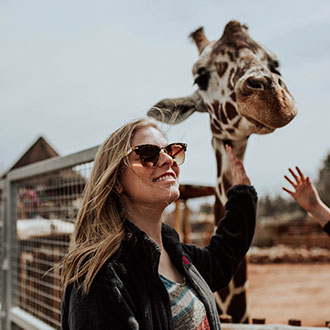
(128, 293)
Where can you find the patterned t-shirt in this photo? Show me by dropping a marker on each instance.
(188, 312)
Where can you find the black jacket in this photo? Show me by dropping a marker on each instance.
(128, 293)
(326, 228)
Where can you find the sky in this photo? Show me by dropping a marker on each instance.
(74, 71)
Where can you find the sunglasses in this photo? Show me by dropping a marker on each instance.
(149, 153)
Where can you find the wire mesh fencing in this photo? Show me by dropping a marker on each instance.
(41, 211)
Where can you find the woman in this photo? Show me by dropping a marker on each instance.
(127, 270)
(308, 198)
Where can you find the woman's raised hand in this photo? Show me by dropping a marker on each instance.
(237, 168)
(304, 192)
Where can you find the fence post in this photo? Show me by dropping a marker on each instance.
(8, 239)
(224, 318)
(258, 321)
(4, 256)
(294, 322)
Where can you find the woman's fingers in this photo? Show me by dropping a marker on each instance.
(237, 168)
(231, 156)
(288, 191)
(294, 175)
(302, 177)
(288, 179)
(230, 153)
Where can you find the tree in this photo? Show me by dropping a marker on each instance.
(323, 183)
(277, 205)
(206, 208)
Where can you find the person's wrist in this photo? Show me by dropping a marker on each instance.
(321, 213)
(315, 209)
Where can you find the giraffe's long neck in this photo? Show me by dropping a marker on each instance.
(224, 177)
(232, 300)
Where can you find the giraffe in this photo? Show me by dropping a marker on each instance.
(240, 87)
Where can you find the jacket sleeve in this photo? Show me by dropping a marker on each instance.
(218, 261)
(326, 228)
(104, 307)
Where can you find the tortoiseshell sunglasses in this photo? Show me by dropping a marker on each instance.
(149, 153)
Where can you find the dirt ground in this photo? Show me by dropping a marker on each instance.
(279, 292)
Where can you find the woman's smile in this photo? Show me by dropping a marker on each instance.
(168, 177)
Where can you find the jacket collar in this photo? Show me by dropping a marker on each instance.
(148, 251)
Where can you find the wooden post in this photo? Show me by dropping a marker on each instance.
(296, 323)
(209, 231)
(186, 223)
(224, 318)
(259, 321)
(178, 218)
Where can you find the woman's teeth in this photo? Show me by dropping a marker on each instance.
(163, 178)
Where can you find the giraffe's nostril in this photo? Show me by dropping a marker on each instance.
(258, 83)
(254, 83)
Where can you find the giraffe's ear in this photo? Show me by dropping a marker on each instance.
(174, 111)
(200, 39)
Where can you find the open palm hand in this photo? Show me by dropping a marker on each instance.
(304, 192)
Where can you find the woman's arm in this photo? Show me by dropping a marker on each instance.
(237, 168)
(306, 195)
(219, 260)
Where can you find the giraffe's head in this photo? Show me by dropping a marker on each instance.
(238, 84)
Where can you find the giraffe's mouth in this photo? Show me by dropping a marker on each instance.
(259, 125)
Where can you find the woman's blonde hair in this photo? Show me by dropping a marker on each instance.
(99, 229)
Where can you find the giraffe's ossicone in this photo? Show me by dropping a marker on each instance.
(241, 88)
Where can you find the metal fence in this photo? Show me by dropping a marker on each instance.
(38, 205)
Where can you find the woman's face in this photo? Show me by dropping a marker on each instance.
(157, 185)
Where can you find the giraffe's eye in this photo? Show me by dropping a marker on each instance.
(274, 70)
(273, 67)
(202, 79)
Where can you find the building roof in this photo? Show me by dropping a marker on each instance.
(38, 151)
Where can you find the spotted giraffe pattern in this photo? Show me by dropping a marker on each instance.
(240, 87)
